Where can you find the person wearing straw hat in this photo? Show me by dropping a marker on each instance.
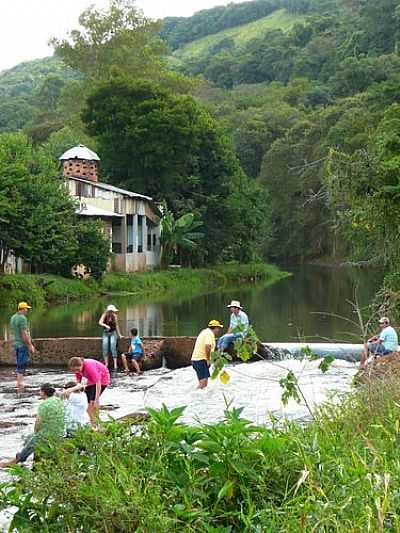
(111, 333)
(385, 343)
(22, 342)
(204, 346)
(238, 326)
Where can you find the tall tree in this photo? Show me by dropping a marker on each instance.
(168, 146)
(117, 39)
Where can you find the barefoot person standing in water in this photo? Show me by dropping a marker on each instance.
(111, 333)
(201, 357)
(22, 342)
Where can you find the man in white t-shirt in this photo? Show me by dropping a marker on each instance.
(76, 405)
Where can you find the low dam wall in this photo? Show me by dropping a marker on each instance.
(175, 351)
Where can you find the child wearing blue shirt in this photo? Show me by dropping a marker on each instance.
(135, 353)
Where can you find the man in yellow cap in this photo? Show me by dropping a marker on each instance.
(22, 341)
(201, 357)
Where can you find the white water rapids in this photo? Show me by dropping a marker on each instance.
(253, 386)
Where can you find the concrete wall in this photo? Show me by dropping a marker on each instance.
(56, 352)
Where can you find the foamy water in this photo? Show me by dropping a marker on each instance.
(255, 387)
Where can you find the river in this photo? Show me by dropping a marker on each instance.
(283, 312)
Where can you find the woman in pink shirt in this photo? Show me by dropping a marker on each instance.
(97, 378)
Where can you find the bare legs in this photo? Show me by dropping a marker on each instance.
(202, 383)
(5, 464)
(93, 412)
(364, 355)
(134, 363)
(20, 382)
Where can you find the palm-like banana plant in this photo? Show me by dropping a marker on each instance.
(178, 234)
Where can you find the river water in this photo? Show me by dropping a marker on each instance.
(283, 312)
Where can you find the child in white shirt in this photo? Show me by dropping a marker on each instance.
(76, 405)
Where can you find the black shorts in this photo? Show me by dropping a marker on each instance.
(91, 392)
(201, 368)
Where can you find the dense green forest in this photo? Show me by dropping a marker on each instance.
(287, 132)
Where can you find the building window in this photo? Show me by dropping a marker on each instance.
(118, 205)
(117, 248)
(149, 241)
(140, 234)
(154, 240)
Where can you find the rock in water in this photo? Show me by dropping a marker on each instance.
(383, 368)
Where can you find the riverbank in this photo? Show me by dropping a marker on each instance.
(230, 475)
(45, 288)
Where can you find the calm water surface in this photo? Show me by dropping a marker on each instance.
(282, 312)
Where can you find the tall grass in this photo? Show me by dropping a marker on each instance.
(339, 473)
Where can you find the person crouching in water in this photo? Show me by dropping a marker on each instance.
(76, 407)
(135, 352)
(49, 426)
(97, 379)
(204, 346)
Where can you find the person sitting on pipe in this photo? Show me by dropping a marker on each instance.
(238, 326)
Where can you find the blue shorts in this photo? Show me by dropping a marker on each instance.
(22, 358)
(136, 356)
(201, 368)
(378, 349)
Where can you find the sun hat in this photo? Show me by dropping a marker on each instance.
(112, 308)
(23, 305)
(384, 320)
(235, 303)
(215, 324)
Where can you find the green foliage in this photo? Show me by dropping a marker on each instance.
(178, 234)
(42, 289)
(169, 146)
(37, 222)
(93, 247)
(117, 39)
(228, 476)
(178, 31)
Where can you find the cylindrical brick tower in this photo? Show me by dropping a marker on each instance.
(81, 162)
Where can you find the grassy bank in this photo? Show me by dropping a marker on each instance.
(41, 289)
(339, 473)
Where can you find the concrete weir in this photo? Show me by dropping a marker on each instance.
(173, 352)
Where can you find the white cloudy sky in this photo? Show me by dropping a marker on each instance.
(27, 25)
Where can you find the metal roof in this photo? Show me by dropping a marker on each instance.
(108, 187)
(80, 152)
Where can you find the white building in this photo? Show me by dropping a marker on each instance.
(132, 220)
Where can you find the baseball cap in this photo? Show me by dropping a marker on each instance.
(23, 305)
(215, 324)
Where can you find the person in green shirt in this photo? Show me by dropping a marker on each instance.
(49, 426)
(22, 341)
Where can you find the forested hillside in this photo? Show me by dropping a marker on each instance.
(306, 90)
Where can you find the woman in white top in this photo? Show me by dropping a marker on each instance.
(76, 405)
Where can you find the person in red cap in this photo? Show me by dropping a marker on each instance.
(22, 342)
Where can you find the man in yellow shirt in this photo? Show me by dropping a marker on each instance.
(201, 357)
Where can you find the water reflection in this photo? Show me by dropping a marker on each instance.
(281, 312)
